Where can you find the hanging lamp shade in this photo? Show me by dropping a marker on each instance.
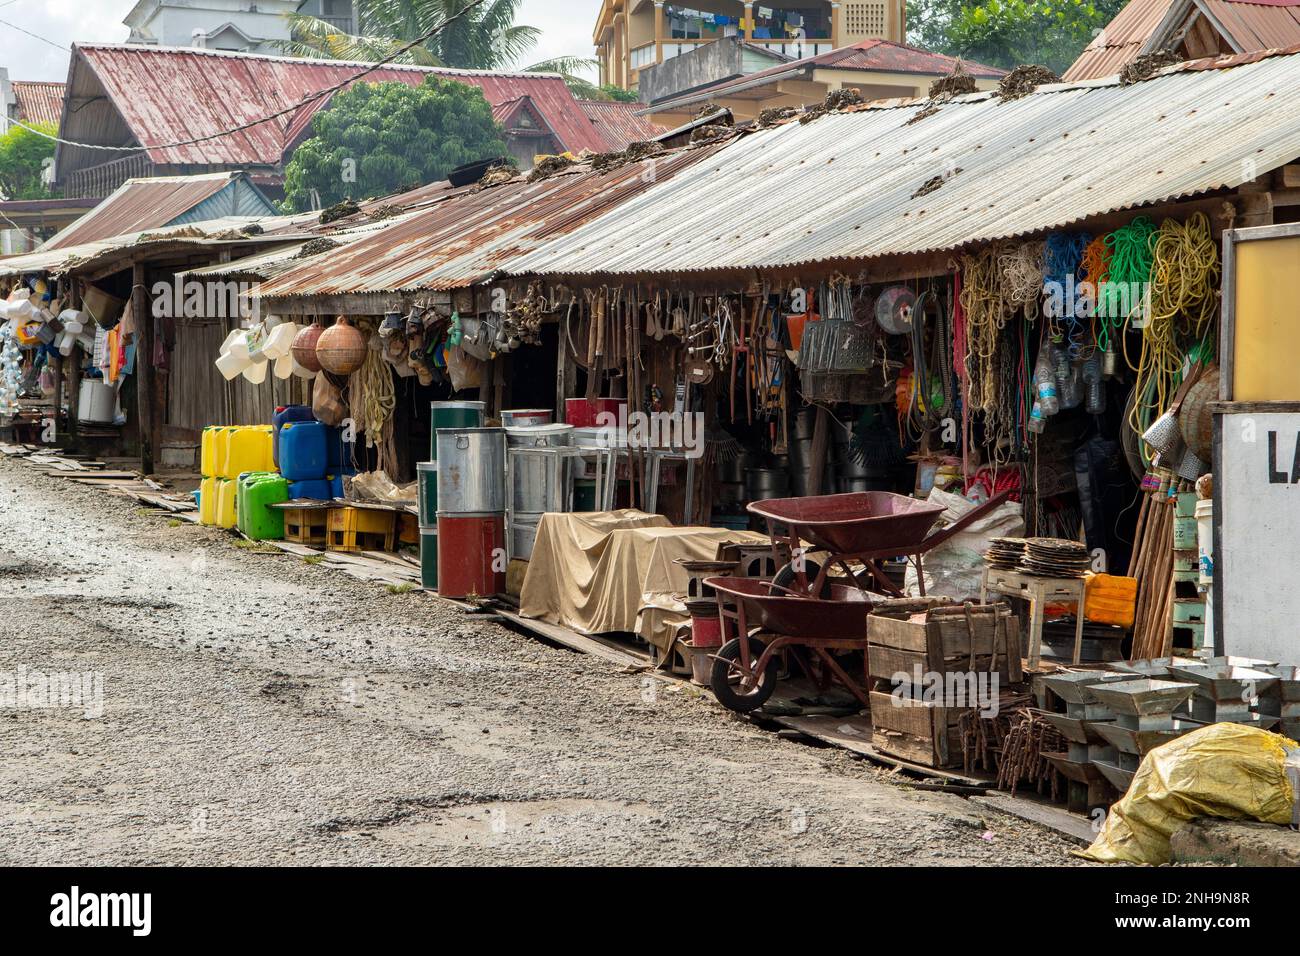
(304, 346)
(341, 349)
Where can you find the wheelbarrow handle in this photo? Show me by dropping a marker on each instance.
(937, 538)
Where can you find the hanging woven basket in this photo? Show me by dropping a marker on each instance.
(341, 348)
(304, 346)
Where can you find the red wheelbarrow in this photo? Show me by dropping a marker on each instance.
(828, 614)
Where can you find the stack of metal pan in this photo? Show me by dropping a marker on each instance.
(1055, 558)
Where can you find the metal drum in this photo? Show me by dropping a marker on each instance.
(427, 472)
(539, 468)
(764, 483)
(471, 471)
(517, 417)
(454, 415)
(471, 555)
(429, 557)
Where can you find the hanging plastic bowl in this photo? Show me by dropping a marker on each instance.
(256, 372)
(283, 367)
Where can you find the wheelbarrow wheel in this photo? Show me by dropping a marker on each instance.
(729, 683)
(788, 578)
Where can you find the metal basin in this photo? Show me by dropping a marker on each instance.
(1143, 741)
(1288, 681)
(1223, 681)
(1075, 687)
(1074, 770)
(1075, 729)
(1118, 777)
(1230, 661)
(1156, 667)
(1144, 697)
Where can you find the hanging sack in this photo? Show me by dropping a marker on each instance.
(327, 402)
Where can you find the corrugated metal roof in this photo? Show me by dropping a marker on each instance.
(140, 204)
(619, 123)
(172, 94)
(868, 56)
(473, 233)
(1257, 26)
(1248, 26)
(845, 186)
(38, 102)
(215, 234)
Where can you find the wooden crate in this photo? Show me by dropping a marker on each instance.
(307, 526)
(942, 640)
(362, 529)
(924, 733)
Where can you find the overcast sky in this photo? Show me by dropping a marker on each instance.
(63, 21)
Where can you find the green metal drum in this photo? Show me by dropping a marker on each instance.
(454, 415)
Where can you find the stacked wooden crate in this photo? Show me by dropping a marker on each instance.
(914, 660)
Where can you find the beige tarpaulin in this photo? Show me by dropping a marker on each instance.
(594, 571)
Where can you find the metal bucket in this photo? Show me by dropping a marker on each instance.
(429, 557)
(427, 472)
(471, 470)
(468, 549)
(539, 480)
(514, 417)
(454, 415)
(539, 436)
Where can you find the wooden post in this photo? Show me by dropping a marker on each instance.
(144, 377)
(820, 446)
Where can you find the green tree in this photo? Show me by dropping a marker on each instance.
(485, 37)
(609, 91)
(23, 155)
(377, 138)
(1008, 33)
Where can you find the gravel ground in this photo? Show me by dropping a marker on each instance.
(260, 710)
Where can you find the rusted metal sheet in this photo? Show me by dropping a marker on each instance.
(618, 122)
(1121, 40)
(472, 233)
(169, 95)
(1257, 26)
(885, 180)
(142, 204)
(38, 102)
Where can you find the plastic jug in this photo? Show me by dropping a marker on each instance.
(339, 454)
(208, 465)
(319, 489)
(250, 450)
(283, 416)
(259, 521)
(226, 514)
(304, 451)
(208, 500)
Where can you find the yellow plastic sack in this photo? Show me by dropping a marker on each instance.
(1223, 770)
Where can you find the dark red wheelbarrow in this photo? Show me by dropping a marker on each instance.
(863, 527)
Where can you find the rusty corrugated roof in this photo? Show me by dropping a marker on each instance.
(472, 233)
(1248, 27)
(173, 94)
(38, 102)
(619, 123)
(141, 204)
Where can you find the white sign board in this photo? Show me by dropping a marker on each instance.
(1257, 559)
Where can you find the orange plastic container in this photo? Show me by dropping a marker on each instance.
(1110, 599)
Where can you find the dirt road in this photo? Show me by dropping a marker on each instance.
(255, 709)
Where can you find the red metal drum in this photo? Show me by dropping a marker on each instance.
(471, 555)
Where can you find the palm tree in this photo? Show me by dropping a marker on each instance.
(486, 37)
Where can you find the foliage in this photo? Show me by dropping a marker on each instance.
(485, 38)
(22, 158)
(378, 138)
(616, 93)
(1009, 33)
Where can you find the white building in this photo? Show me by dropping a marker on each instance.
(246, 26)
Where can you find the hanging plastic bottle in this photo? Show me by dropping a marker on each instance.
(1037, 420)
(1068, 390)
(1095, 402)
(1045, 384)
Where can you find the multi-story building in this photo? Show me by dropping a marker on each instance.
(631, 35)
(239, 26)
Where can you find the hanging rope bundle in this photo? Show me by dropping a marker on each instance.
(372, 400)
(1183, 303)
(1022, 276)
(985, 310)
(1063, 266)
(1127, 272)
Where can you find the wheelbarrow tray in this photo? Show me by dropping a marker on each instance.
(859, 523)
(841, 617)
